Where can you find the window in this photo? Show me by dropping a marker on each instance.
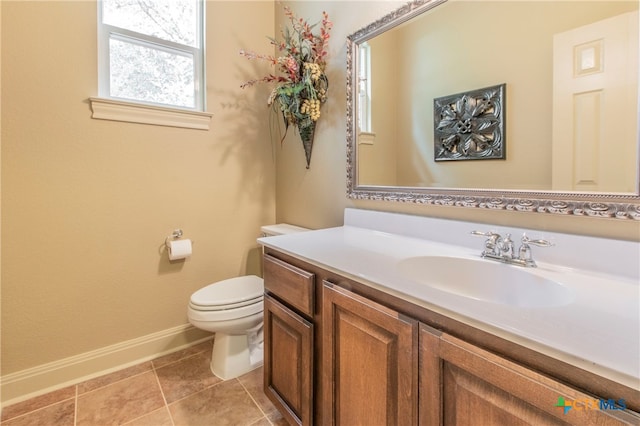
(364, 88)
(151, 52)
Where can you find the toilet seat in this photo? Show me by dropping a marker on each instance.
(232, 293)
(220, 315)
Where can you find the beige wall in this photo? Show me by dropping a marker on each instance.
(377, 164)
(316, 197)
(87, 203)
(472, 59)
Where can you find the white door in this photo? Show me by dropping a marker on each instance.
(595, 107)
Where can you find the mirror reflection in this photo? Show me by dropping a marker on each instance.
(570, 70)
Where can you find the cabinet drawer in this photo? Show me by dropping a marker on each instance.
(290, 284)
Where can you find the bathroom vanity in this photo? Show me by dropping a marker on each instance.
(356, 333)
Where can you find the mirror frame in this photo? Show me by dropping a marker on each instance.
(596, 204)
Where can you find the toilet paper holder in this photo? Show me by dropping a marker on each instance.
(177, 233)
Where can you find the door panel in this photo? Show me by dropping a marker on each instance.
(288, 362)
(370, 362)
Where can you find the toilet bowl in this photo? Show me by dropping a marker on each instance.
(233, 310)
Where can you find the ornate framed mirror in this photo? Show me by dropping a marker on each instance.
(570, 73)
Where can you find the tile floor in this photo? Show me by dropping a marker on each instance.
(173, 390)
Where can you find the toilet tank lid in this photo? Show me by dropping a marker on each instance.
(281, 229)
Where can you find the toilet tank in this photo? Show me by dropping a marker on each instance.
(281, 229)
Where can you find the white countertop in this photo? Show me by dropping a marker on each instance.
(598, 331)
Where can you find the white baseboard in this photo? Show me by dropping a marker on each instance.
(25, 384)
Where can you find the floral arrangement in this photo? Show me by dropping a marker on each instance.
(300, 81)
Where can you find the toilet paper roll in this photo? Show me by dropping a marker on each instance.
(179, 249)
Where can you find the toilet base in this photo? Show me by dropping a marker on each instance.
(231, 356)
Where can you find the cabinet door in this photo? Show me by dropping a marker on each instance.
(369, 371)
(461, 384)
(288, 362)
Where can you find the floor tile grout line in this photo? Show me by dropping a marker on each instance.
(258, 420)
(153, 365)
(167, 403)
(26, 413)
(197, 392)
(75, 408)
(144, 415)
(77, 394)
(151, 368)
(254, 401)
(111, 383)
(164, 398)
(237, 379)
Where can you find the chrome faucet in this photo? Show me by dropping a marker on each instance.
(503, 250)
(507, 249)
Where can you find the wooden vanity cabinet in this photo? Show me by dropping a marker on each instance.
(461, 384)
(289, 340)
(339, 352)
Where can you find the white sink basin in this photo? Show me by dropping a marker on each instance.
(486, 281)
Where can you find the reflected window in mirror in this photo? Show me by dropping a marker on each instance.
(364, 88)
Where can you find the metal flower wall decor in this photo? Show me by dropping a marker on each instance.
(470, 125)
(301, 83)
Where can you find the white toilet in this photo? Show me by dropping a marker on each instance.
(232, 309)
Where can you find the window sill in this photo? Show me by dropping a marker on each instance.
(109, 109)
(366, 138)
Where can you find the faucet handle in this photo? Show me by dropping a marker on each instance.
(492, 238)
(489, 234)
(524, 253)
(539, 243)
(491, 245)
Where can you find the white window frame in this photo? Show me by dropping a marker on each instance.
(108, 107)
